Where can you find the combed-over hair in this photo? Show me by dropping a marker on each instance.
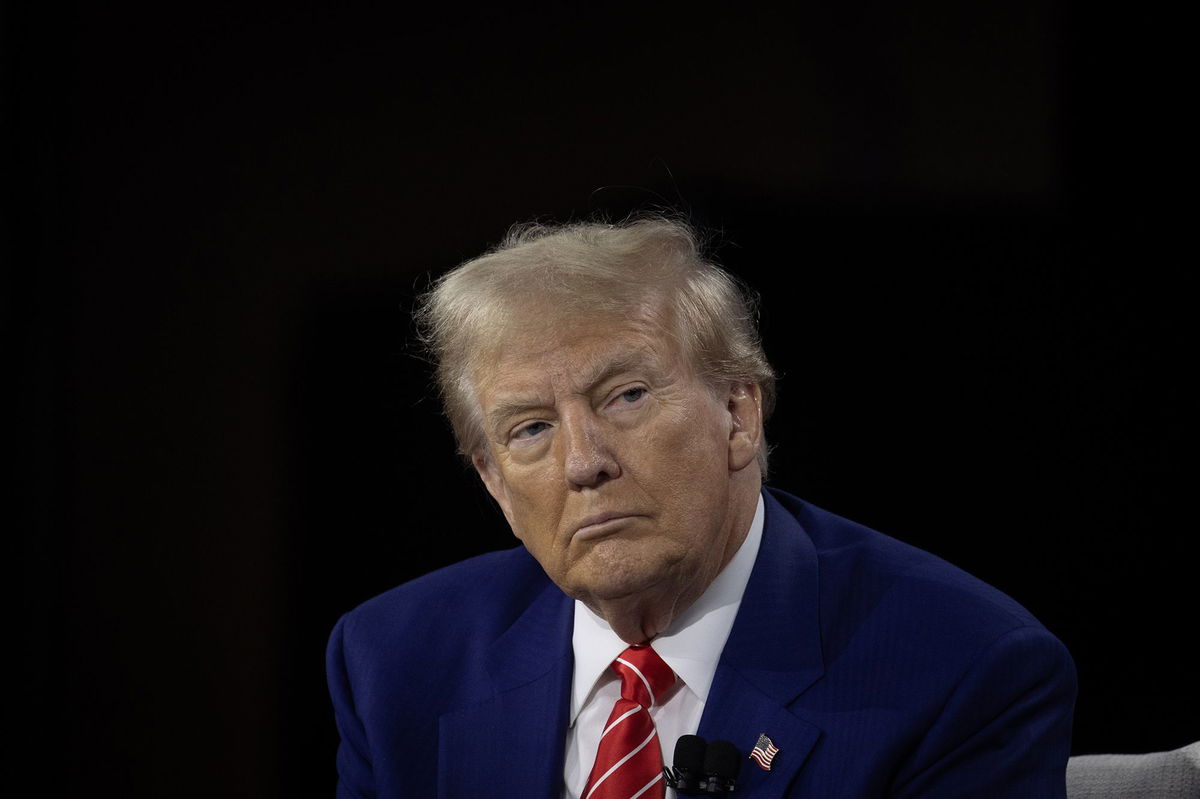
(589, 269)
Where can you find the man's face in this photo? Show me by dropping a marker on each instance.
(611, 460)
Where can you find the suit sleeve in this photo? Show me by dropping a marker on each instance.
(1005, 730)
(355, 775)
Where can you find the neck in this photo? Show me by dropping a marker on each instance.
(639, 618)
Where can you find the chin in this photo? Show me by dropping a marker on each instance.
(610, 579)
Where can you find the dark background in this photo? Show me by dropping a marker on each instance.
(959, 215)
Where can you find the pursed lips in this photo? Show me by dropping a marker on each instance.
(600, 524)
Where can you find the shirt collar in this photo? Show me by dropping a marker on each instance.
(693, 643)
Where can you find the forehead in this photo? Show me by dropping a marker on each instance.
(573, 350)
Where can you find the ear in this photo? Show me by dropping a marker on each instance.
(745, 434)
(493, 480)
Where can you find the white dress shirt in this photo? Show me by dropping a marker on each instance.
(691, 646)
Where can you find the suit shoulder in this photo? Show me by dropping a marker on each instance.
(872, 573)
(476, 598)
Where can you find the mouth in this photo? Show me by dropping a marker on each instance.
(602, 524)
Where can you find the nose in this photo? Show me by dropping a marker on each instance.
(588, 459)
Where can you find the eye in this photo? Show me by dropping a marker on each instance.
(632, 395)
(630, 399)
(530, 430)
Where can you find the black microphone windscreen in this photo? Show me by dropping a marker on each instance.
(689, 753)
(722, 758)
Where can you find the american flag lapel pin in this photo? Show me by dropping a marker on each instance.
(764, 752)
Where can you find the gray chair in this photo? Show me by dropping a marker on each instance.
(1158, 775)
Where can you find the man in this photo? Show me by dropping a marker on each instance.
(608, 386)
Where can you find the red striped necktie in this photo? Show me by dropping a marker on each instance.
(629, 760)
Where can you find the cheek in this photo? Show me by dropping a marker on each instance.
(536, 509)
(697, 444)
(697, 472)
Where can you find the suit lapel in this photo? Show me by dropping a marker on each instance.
(512, 743)
(772, 656)
(738, 713)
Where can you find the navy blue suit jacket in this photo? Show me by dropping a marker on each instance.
(876, 668)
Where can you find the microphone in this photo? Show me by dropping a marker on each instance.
(686, 775)
(722, 762)
(703, 769)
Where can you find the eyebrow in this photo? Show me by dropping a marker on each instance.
(605, 370)
(506, 409)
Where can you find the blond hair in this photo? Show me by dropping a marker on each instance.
(590, 269)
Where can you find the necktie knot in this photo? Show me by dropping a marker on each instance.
(629, 758)
(645, 677)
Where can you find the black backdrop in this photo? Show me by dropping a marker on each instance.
(958, 216)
